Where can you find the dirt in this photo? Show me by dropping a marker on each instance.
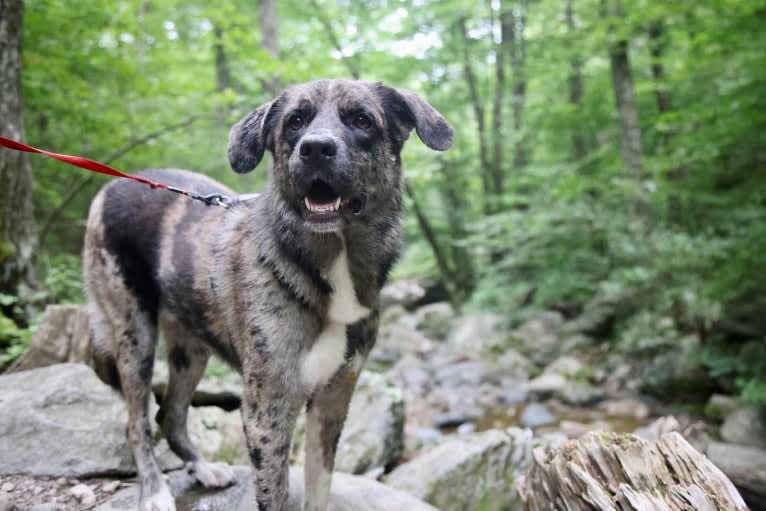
(26, 493)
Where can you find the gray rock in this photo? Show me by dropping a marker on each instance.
(468, 471)
(401, 292)
(84, 494)
(373, 435)
(61, 420)
(745, 426)
(546, 385)
(453, 419)
(210, 391)
(567, 366)
(435, 319)
(510, 364)
(720, 406)
(426, 436)
(746, 467)
(477, 334)
(348, 493)
(626, 408)
(218, 434)
(47, 507)
(461, 373)
(539, 337)
(6, 502)
(536, 414)
(512, 393)
(579, 393)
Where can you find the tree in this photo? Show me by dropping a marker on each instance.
(17, 238)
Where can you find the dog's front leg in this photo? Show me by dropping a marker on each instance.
(325, 415)
(269, 412)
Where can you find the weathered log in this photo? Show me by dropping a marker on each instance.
(63, 336)
(611, 472)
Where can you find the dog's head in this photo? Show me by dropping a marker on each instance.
(336, 146)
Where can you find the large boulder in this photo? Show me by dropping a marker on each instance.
(347, 493)
(373, 435)
(470, 472)
(746, 467)
(61, 420)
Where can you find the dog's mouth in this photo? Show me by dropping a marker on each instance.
(323, 202)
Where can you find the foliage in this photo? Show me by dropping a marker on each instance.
(686, 233)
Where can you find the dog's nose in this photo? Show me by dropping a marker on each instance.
(318, 148)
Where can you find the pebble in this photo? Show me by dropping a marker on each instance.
(111, 486)
(84, 494)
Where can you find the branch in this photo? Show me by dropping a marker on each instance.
(350, 64)
(441, 259)
(87, 179)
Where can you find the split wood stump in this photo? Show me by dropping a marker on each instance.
(618, 472)
(63, 336)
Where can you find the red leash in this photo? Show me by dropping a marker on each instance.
(95, 166)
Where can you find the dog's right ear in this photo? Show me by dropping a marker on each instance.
(250, 137)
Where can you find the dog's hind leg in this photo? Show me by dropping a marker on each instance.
(187, 358)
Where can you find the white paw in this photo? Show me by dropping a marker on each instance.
(212, 475)
(160, 501)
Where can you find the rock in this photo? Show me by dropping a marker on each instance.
(462, 373)
(47, 507)
(510, 364)
(658, 428)
(111, 486)
(477, 334)
(402, 292)
(746, 467)
(218, 434)
(469, 471)
(573, 429)
(61, 420)
(536, 414)
(453, 419)
(397, 341)
(600, 314)
(427, 436)
(720, 406)
(84, 494)
(626, 408)
(62, 336)
(8, 487)
(435, 319)
(566, 366)
(545, 386)
(745, 426)
(6, 503)
(512, 393)
(373, 435)
(348, 493)
(579, 393)
(539, 337)
(677, 373)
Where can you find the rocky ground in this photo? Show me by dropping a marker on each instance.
(447, 414)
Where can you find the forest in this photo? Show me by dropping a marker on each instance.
(608, 167)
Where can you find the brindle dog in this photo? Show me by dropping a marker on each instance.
(284, 287)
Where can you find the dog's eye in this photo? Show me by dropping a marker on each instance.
(362, 121)
(295, 122)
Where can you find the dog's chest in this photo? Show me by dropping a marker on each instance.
(326, 355)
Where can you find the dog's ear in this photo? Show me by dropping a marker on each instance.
(411, 111)
(250, 137)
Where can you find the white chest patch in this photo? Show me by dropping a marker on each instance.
(326, 355)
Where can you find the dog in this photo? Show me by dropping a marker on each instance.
(284, 286)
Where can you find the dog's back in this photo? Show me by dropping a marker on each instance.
(124, 247)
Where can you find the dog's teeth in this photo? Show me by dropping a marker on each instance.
(307, 203)
(337, 204)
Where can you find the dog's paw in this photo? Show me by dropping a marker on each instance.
(160, 501)
(212, 475)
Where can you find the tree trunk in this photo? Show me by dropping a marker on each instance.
(269, 23)
(624, 95)
(657, 44)
(609, 472)
(478, 111)
(17, 237)
(518, 54)
(462, 259)
(498, 141)
(579, 149)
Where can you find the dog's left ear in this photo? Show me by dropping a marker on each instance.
(411, 111)
(250, 137)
